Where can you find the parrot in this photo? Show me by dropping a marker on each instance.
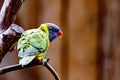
(34, 43)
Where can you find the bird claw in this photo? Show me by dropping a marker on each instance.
(45, 61)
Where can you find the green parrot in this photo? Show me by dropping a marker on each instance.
(34, 42)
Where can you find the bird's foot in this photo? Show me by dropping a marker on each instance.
(45, 61)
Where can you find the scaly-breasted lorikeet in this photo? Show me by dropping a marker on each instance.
(34, 42)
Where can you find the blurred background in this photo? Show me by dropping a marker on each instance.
(89, 48)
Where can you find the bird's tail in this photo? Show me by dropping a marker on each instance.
(26, 60)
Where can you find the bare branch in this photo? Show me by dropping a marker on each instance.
(50, 68)
(9, 34)
(8, 12)
(19, 67)
(8, 39)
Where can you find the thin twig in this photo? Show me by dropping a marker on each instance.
(50, 68)
(19, 67)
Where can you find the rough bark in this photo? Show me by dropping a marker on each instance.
(9, 31)
(8, 39)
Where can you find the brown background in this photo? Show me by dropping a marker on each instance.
(89, 48)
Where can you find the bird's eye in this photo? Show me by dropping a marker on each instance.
(54, 30)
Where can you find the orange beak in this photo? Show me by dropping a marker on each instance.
(60, 33)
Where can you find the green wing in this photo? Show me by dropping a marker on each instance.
(32, 43)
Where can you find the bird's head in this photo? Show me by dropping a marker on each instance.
(52, 30)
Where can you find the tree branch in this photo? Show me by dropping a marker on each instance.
(50, 68)
(8, 39)
(19, 66)
(8, 12)
(9, 34)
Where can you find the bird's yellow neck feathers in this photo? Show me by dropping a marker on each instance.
(44, 28)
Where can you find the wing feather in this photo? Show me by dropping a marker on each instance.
(31, 43)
